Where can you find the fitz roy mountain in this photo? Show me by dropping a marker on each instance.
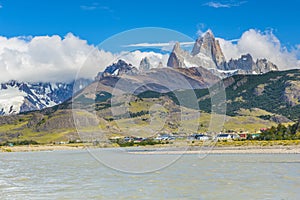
(207, 53)
(203, 67)
(198, 69)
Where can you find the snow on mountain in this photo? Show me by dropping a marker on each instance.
(11, 100)
(17, 97)
(137, 56)
(209, 48)
(207, 53)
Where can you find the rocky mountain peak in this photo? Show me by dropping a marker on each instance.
(177, 47)
(263, 66)
(247, 64)
(177, 56)
(117, 69)
(160, 65)
(18, 97)
(208, 34)
(207, 53)
(208, 46)
(145, 64)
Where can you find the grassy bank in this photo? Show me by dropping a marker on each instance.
(243, 144)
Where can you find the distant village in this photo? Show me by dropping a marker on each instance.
(222, 136)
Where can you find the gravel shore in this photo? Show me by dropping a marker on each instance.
(292, 149)
(295, 149)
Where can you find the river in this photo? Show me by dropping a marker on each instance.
(76, 174)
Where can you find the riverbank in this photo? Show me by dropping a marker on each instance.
(293, 149)
(168, 149)
(30, 148)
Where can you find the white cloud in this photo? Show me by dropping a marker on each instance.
(261, 45)
(296, 50)
(225, 4)
(135, 58)
(49, 58)
(52, 58)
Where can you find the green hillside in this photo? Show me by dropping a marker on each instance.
(275, 92)
(253, 102)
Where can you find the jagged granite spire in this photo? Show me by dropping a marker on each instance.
(176, 59)
(145, 64)
(210, 47)
(263, 66)
(249, 66)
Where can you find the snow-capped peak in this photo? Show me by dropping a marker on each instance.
(16, 97)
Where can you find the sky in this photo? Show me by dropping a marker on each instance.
(57, 35)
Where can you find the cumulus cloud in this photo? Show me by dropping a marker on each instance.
(261, 45)
(57, 59)
(49, 58)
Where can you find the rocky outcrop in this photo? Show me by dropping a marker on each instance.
(160, 65)
(145, 64)
(117, 69)
(291, 93)
(280, 119)
(248, 66)
(264, 66)
(18, 97)
(177, 57)
(245, 63)
(206, 53)
(210, 47)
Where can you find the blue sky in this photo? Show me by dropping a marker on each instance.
(96, 20)
(60, 36)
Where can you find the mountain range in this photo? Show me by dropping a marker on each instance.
(257, 95)
(206, 56)
(252, 102)
(207, 53)
(17, 97)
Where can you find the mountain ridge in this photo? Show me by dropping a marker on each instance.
(18, 97)
(206, 57)
(207, 53)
